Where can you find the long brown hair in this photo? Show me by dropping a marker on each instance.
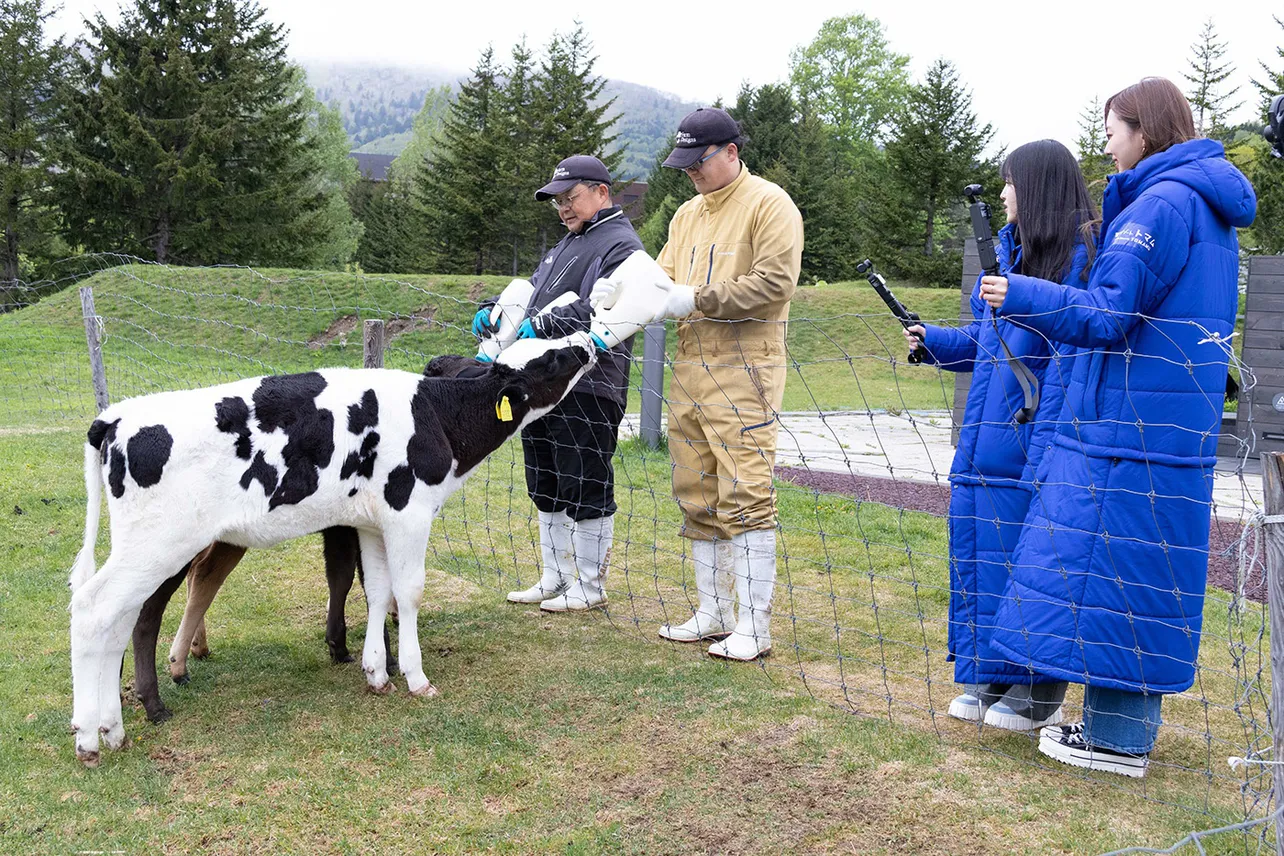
(1156, 107)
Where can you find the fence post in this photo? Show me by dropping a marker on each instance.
(372, 345)
(95, 347)
(1273, 488)
(652, 383)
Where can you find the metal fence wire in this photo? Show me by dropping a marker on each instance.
(859, 477)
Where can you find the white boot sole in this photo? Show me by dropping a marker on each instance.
(573, 608)
(765, 652)
(1016, 722)
(965, 712)
(716, 636)
(1088, 760)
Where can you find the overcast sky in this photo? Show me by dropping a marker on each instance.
(1031, 72)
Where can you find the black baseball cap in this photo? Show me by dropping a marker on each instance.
(572, 171)
(707, 126)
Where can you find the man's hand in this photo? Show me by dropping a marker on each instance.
(993, 290)
(605, 293)
(527, 330)
(678, 303)
(483, 326)
(914, 336)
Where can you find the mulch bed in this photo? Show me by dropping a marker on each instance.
(935, 499)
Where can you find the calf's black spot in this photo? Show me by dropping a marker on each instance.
(262, 472)
(288, 402)
(364, 415)
(428, 453)
(232, 416)
(116, 475)
(102, 432)
(361, 461)
(148, 452)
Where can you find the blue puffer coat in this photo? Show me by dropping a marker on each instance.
(994, 464)
(1109, 574)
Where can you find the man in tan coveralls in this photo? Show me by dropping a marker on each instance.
(734, 253)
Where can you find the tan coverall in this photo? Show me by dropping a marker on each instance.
(741, 249)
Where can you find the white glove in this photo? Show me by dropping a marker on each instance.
(605, 293)
(678, 303)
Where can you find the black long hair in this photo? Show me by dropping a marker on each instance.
(1053, 206)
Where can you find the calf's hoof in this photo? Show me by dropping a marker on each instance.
(385, 688)
(200, 652)
(182, 679)
(426, 691)
(113, 736)
(87, 757)
(163, 714)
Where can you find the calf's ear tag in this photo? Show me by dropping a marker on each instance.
(504, 410)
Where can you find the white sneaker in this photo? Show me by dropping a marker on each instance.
(1000, 715)
(966, 707)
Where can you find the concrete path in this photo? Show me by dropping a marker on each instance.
(916, 446)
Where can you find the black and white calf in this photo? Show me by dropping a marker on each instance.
(257, 462)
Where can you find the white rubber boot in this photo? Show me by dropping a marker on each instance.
(556, 550)
(715, 595)
(755, 568)
(592, 542)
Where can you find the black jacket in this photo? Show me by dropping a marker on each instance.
(575, 264)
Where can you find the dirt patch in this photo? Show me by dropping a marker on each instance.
(477, 291)
(404, 324)
(339, 330)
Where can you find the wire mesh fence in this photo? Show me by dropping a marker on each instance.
(857, 476)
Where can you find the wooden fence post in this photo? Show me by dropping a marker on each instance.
(1273, 488)
(95, 348)
(372, 345)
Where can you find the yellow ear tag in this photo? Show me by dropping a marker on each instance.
(504, 410)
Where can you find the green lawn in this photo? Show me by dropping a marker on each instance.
(168, 328)
(577, 734)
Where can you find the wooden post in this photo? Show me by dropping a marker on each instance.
(1273, 488)
(95, 348)
(372, 345)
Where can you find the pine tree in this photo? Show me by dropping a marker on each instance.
(519, 173)
(1207, 75)
(1091, 143)
(457, 201)
(666, 190)
(570, 116)
(189, 137)
(936, 147)
(30, 103)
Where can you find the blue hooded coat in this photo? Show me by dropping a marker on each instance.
(1109, 574)
(994, 464)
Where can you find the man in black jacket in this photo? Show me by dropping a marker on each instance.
(568, 453)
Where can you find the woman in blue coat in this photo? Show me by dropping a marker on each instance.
(1050, 218)
(1108, 578)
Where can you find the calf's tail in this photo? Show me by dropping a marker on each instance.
(85, 566)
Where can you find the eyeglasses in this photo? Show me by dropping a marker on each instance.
(560, 202)
(701, 161)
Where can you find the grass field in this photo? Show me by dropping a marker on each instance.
(575, 734)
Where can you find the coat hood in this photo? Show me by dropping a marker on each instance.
(1200, 165)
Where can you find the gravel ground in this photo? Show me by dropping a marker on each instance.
(935, 499)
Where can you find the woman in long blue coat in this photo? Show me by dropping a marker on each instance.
(1108, 577)
(1050, 214)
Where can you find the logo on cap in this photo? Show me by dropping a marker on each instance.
(560, 171)
(683, 138)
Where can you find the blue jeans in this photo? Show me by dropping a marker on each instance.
(1123, 721)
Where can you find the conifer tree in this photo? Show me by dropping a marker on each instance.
(1209, 104)
(1091, 143)
(30, 104)
(936, 145)
(188, 138)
